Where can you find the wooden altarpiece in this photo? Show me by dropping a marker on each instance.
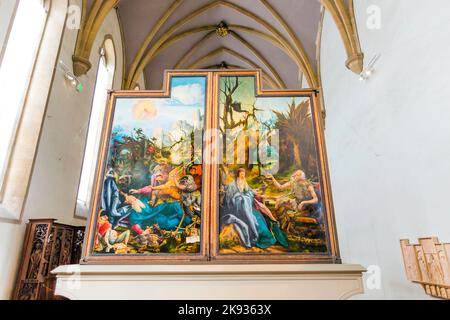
(164, 195)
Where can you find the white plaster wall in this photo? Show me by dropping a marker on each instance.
(58, 165)
(388, 138)
(53, 189)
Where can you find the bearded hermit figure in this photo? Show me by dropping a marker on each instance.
(301, 198)
(243, 210)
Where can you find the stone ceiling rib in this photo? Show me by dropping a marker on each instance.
(279, 34)
(274, 84)
(141, 63)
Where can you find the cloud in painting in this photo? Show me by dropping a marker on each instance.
(191, 94)
(144, 110)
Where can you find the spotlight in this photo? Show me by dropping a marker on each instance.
(70, 77)
(369, 70)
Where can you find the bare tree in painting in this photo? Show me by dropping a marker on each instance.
(234, 116)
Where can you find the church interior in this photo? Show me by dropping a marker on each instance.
(99, 200)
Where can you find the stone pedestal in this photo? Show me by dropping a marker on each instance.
(206, 282)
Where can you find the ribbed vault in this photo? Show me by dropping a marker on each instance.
(276, 36)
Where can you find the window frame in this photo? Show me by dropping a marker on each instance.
(24, 152)
(28, 82)
(8, 26)
(108, 57)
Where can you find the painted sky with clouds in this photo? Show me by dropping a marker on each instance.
(156, 114)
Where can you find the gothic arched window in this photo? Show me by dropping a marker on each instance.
(16, 67)
(104, 82)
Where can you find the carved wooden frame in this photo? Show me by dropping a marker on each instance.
(88, 256)
(209, 223)
(332, 244)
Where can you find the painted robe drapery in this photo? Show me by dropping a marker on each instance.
(249, 223)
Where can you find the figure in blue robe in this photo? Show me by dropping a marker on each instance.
(167, 215)
(250, 224)
(111, 203)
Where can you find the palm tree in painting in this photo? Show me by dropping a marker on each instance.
(296, 135)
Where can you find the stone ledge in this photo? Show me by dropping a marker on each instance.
(209, 282)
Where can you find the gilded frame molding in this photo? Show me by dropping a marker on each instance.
(87, 256)
(333, 255)
(209, 227)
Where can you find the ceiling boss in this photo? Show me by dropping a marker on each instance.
(222, 29)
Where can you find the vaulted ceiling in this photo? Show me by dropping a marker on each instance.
(277, 36)
(248, 44)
